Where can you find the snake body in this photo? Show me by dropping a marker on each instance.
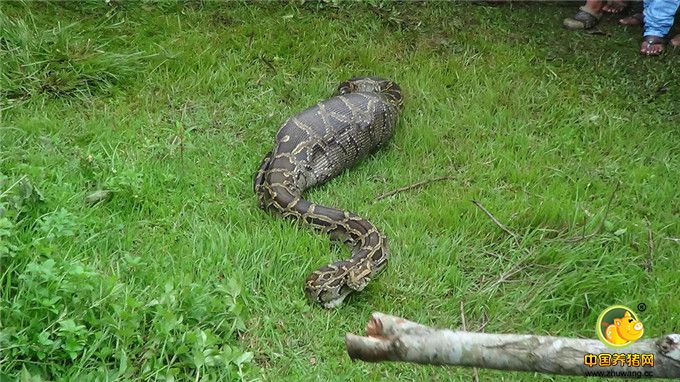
(316, 145)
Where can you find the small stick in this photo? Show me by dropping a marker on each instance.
(649, 264)
(496, 221)
(412, 186)
(606, 210)
(251, 35)
(504, 277)
(674, 239)
(268, 63)
(12, 186)
(583, 228)
(598, 32)
(462, 314)
(513, 270)
(496, 255)
(661, 90)
(475, 372)
(579, 238)
(485, 321)
(604, 219)
(181, 133)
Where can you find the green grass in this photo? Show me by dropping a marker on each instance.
(179, 276)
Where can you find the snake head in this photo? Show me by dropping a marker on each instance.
(331, 284)
(328, 286)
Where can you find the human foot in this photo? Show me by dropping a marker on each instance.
(634, 19)
(652, 45)
(614, 6)
(675, 41)
(583, 19)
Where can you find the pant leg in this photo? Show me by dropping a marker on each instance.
(659, 15)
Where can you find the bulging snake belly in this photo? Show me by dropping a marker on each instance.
(316, 145)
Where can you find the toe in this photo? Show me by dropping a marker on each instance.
(643, 48)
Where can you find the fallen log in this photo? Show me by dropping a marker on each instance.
(390, 338)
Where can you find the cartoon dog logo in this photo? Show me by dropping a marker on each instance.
(618, 326)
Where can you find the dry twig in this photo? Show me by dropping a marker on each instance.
(649, 264)
(604, 219)
(412, 186)
(251, 36)
(485, 321)
(506, 276)
(676, 240)
(606, 210)
(496, 221)
(268, 63)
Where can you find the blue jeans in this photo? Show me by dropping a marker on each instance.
(659, 15)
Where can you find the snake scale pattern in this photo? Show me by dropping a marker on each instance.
(316, 145)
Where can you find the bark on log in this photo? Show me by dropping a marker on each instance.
(391, 338)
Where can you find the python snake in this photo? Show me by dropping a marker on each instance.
(316, 145)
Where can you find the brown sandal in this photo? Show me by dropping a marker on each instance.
(581, 20)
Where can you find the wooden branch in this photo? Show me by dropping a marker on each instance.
(412, 186)
(392, 338)
(496, 221)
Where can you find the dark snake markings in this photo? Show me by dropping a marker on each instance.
(316, 145)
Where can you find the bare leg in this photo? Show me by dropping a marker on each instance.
(594, 6)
